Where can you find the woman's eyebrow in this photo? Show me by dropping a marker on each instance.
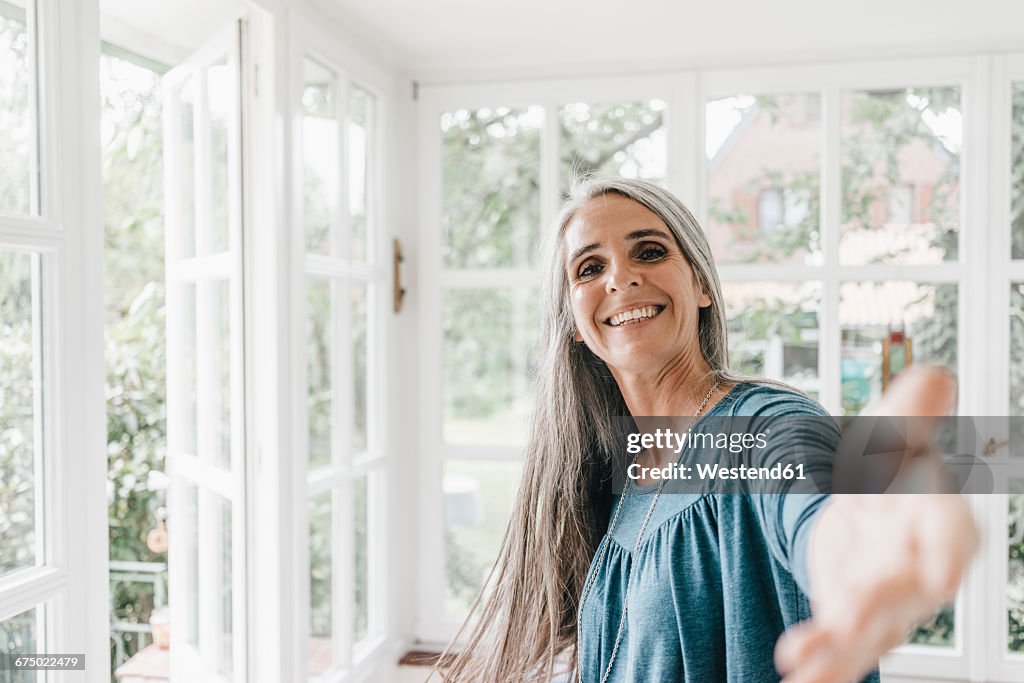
(651, 232)
(633, 236)
(583, 250)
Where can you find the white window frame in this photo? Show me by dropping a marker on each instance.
(315, 34)
(70, 579)
(982, 306)
(677, 92)
(228, 481)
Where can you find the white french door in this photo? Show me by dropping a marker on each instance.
(53, 544)
(205, 365)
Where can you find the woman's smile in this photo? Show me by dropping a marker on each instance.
(634, 315)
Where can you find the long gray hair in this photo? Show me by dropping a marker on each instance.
(523, 626)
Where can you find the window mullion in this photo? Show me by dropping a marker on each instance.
(830, 221)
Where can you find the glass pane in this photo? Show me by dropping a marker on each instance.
(478, 499)
(320, 364)
(186, 433)
(361, 627)
(489, 336)
(1017, 171)
(1015, 570)
(921, 318)
(623, 139)
(900, 175)
(320, 157)
(221, 89)
(17, 119)
(223, 546)
(361, 113)
(184, 194)
(21, 635)
(773, 331)
(19, 408)
(937, 631)
(321, 652)
(1017, 362)
(223, 359)
(132, 138)
(491, 181)
(763, 155)
(359, 321)
(190, 550)
(212, 386)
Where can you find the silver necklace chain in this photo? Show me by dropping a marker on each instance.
(636, 547)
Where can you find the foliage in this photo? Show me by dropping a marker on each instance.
(1017, 171)
(135, 351)
(1015, 557)
(491, 201)
(604, 138)
(18, 417)
(15, 113)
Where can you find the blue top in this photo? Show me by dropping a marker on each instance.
(717, 577)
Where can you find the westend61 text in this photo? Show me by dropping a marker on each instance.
(667, 439)
(714, 471)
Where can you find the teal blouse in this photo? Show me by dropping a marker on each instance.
(717, 577)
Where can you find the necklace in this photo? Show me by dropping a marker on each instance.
(636, 547)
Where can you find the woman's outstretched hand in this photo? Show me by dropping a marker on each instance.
(879, 564)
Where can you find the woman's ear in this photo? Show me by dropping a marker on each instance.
(703, 301)
(576, 336)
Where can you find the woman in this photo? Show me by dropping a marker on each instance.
(688, 588)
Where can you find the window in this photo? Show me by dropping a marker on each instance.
(51, 434)
(19, 186)
(490, 159)
(345, 473)
(504, 169)
(623, 139)
(763, 164)
(771, 213)
(835, 209)
(206, 403)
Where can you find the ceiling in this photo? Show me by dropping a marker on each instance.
(442, 40)
(435, 38)
(165, 30)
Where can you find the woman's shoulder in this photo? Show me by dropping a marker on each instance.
(755, 398)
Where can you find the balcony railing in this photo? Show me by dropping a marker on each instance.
(146, 587)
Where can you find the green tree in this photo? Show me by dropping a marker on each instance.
(132, 154)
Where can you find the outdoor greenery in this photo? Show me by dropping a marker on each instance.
(491, 196)
(132, 139)
(18, 417)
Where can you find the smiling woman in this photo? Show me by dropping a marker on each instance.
(607, 585)
(631, 289)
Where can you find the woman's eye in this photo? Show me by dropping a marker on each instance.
(651, 253)
(589, 270)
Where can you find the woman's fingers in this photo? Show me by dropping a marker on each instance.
(918, 391)
(947, 538)
(799, 644)
(918, 399)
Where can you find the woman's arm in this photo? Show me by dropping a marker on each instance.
(878, 564)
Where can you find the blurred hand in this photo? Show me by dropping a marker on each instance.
(879, 564)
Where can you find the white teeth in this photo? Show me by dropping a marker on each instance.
(639, 313)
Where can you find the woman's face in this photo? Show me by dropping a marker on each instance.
(634, 297)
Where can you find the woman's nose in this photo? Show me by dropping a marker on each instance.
(622, 275)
